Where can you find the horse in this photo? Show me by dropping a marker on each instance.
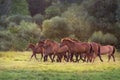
(109, 50)
(76, 47)
(95, 51)
(50, 47)
(35, 50)
(53, 49)
(62, 52)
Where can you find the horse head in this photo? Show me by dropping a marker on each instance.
(31, 46)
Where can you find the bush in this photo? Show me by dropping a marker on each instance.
(11, 21)
(38, 19)
(18, 37)
(18, 18)
(77, 19)
(56, 28)
(5, 40)
(107, 38)
(52, 11)
(26, 33)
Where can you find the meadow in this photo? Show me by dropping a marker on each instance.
(16, 66)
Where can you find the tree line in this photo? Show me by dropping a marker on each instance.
(28, 21)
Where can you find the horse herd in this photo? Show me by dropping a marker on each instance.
(71, 50)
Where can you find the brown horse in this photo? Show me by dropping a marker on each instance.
(53, 49)
(50, 48)
(36, 50)
(95, 51)
(76, 47)
(62, 52)
(109, 50)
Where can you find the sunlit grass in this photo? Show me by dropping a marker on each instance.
(16, 66)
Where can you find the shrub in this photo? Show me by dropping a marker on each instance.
(77, 18)
(107, 38)
(24, 33)
(52, 11)
(38, 19)
(18, 18)
(56, 28)
(5, 40)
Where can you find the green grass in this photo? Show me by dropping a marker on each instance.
(16, 66)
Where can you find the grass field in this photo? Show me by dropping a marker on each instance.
(16, 66)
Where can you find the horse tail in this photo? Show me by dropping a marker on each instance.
(113, 50)
(98, 49)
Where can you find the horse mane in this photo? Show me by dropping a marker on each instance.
(33, 45)
(67, 39)
(70, 39)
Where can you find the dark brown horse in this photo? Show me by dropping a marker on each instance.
(76, 47)
(35, 50)
(109, 50)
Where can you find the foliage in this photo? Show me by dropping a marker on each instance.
(38, 19)
(52, 11)
(77, 19)
(26, 33)
(5, 40)
(11, 21)
(56, 28)
(38, 6)
(107, 38)
(17, 37)
(19, 7)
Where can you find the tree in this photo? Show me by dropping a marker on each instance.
(38, 6)
(77, 18)
(56, 28)
(19, 7)
(5, 6)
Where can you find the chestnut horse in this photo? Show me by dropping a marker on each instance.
(109, 50)
(62, 52)
(50, 47)
(95, 51)
(76, 47)
(35, 50)
(53, 49)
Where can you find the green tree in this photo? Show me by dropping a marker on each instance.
(56, 28)
(77, 18)
(19, 7)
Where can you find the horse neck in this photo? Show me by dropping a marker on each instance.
(69, 44)
(32, 47)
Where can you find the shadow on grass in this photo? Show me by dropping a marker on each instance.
(59, 75)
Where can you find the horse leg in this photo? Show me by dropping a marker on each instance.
(65, 58)
(109, 57)
(71, 57)
(76, 55)
(52, 59)
(93, 57)
(36, 57)
(31, 57)
(41, 56)
(45, 58)
(113, 57)
(100, 57)
(60, 58)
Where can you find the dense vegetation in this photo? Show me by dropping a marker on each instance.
(25, 21)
